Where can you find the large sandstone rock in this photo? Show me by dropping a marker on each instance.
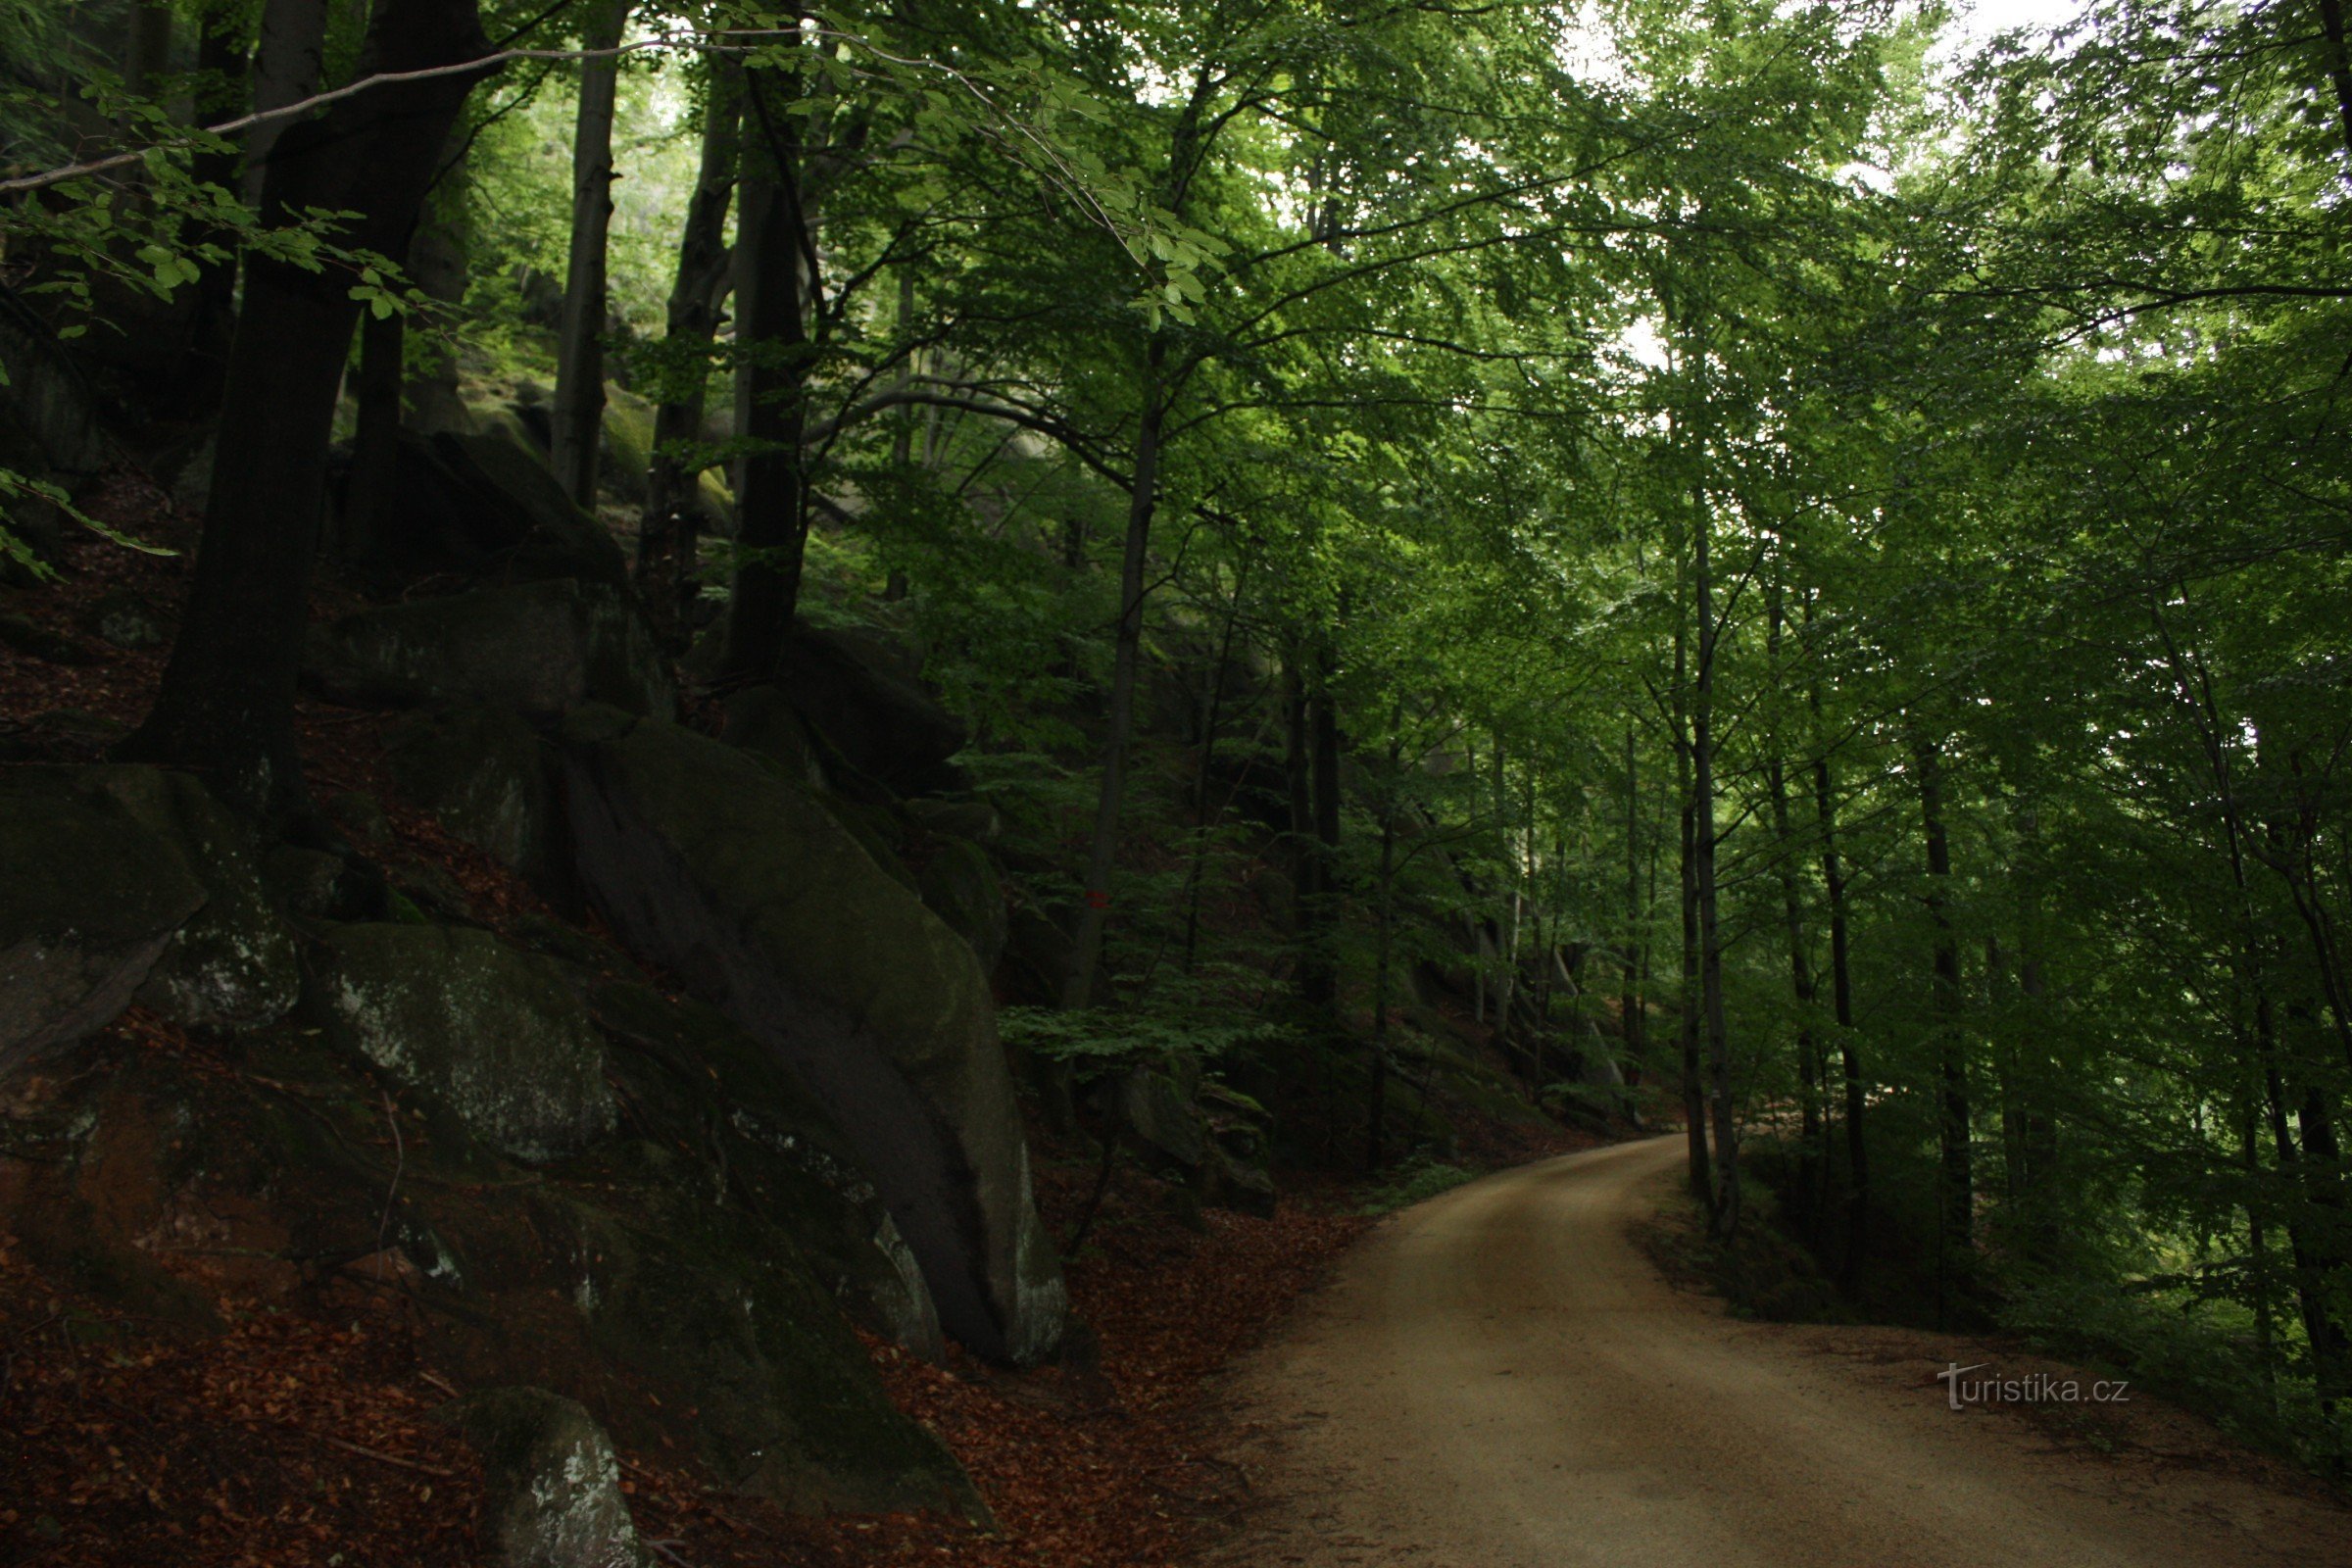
(492, 1032)
(960, 884)
(230, 962)
(881, 727)
(782, 1152)
(48, 414)
(708, 863)
(233, 965)
(684, 1279)
(1221, 1153)
(539, 647)
(551, 1482)
(90, 899)
(483, 505)
(485, 773)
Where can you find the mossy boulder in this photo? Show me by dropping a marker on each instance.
(693, 1076)
(551, 1482)
(91, 898)
(233, 965)
(959, 882)
(537, 648)
(49, 415)
(482, 505)
(678, 1291)
(882, 731)
(492, 1032)
(762, 721)
(627, 451)
(742, 883)
(487, 776)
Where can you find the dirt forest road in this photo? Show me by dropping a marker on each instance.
(1501, 1379)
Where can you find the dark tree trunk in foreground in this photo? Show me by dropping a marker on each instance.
(579, 418)
(375, 441)
(666, 537)
(775, 246)
(227, 707)
(288, 61)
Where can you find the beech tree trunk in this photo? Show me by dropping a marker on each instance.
(375, 441)
(1703, 845)
(1630, 1004)
(221, 65)
(1319, 965)
(665, 538)
(226, 703)
(577, 419)
(1103, 853)
(1298, 794)
(1956, 1195)
(1801, 979)
(773, 248)
(1841, 1002)
(289, 62)
(1695, 1093)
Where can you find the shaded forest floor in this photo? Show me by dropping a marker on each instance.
(309, 1438)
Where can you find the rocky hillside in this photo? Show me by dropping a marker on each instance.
(618, 1058)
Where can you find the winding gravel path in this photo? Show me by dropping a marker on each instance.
(1501, 1379)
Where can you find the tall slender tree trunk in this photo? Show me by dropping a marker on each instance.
(289, 62)
(1694, 1092)
(221, 65)
(773, 248)
(2339, 67)
(1841, 998)
(1205, 822)
(579, 418)
(1319, 984)
(1376, 1116)
(1955, 1184)
(146, 49)
(1802, 981)
(440, 265)
(1298, 776)
(666, 534)
(375, 440)
(226, 703)
(1103, 853)
(1703, 845)
(1630, 1021)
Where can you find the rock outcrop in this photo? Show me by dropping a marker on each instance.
(233, 965)
(487, 776)
(884, 732)
(550, 1484)
(539, 647)
(708, 863)
(483, 505)
(490, 1031)
(91, 900)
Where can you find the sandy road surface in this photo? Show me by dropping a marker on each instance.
(1501, 1379)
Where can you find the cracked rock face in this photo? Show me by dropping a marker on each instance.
(745, 884)
(492, 1032)
(81, 920)
(551, 1494)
